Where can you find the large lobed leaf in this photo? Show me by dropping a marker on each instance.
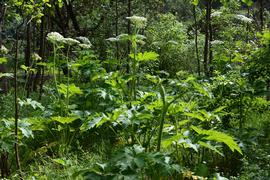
(217, 136)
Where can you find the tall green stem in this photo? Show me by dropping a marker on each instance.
(165, 107)
(67, 77)
(54, 66)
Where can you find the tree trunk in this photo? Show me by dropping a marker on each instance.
(3, 81)
(37, 80)
(207, 36)
(116, 30)
(129, 31)
(72, 16)
(28, 56)
(196, 41)
(16, 114)
(211, 67)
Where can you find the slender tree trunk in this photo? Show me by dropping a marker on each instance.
(41, 54)
(196, 41)
(16, 115)
(28, 56)
(207, 36)
(116, 29)
(211, 68)
(4, 167)
(3, 81)
(129, 32)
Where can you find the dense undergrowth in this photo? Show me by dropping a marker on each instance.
(146, 113)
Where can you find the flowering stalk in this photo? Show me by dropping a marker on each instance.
(68, 76)
(54, 67)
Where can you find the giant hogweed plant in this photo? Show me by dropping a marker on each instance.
(62, 113)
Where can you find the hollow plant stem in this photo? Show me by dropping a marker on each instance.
(165, 106)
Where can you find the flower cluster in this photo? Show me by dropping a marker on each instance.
(216, 14)
(36, 57)
(85, 43)
(244, 18)
(56, 38)
(3, 50)
(70, 41)
(138, 21)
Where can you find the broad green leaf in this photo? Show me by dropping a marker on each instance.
(169, 141)
(72, 89)
(29, 102)
(195, 2)
(187, 143)
(3, 60)
(59, 161)
(24, 127)
(202, 90)
(195, 115)
(209, 146)
(183, 122)
(28, 69)
(6, 75)
(248, 2)
(27, 132)
(24, 67)
(217, 136)
(64, 120)
(153, 79)
(146, 56)
(41, 64)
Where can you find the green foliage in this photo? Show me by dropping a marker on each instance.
(133, 163)
(218, 137)
(167, 36)
(131, 106)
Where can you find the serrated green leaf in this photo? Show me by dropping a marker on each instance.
(213, 135)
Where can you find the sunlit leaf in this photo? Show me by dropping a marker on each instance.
(64, 120)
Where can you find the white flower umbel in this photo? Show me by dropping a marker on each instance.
(217, 42)
(85, 46)
(36, 57)
(3, 50)
(84, 40)
(55, 37)
(244, 18)
(70, 41)
(216, 14)
(138, 21)
(112, 39)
